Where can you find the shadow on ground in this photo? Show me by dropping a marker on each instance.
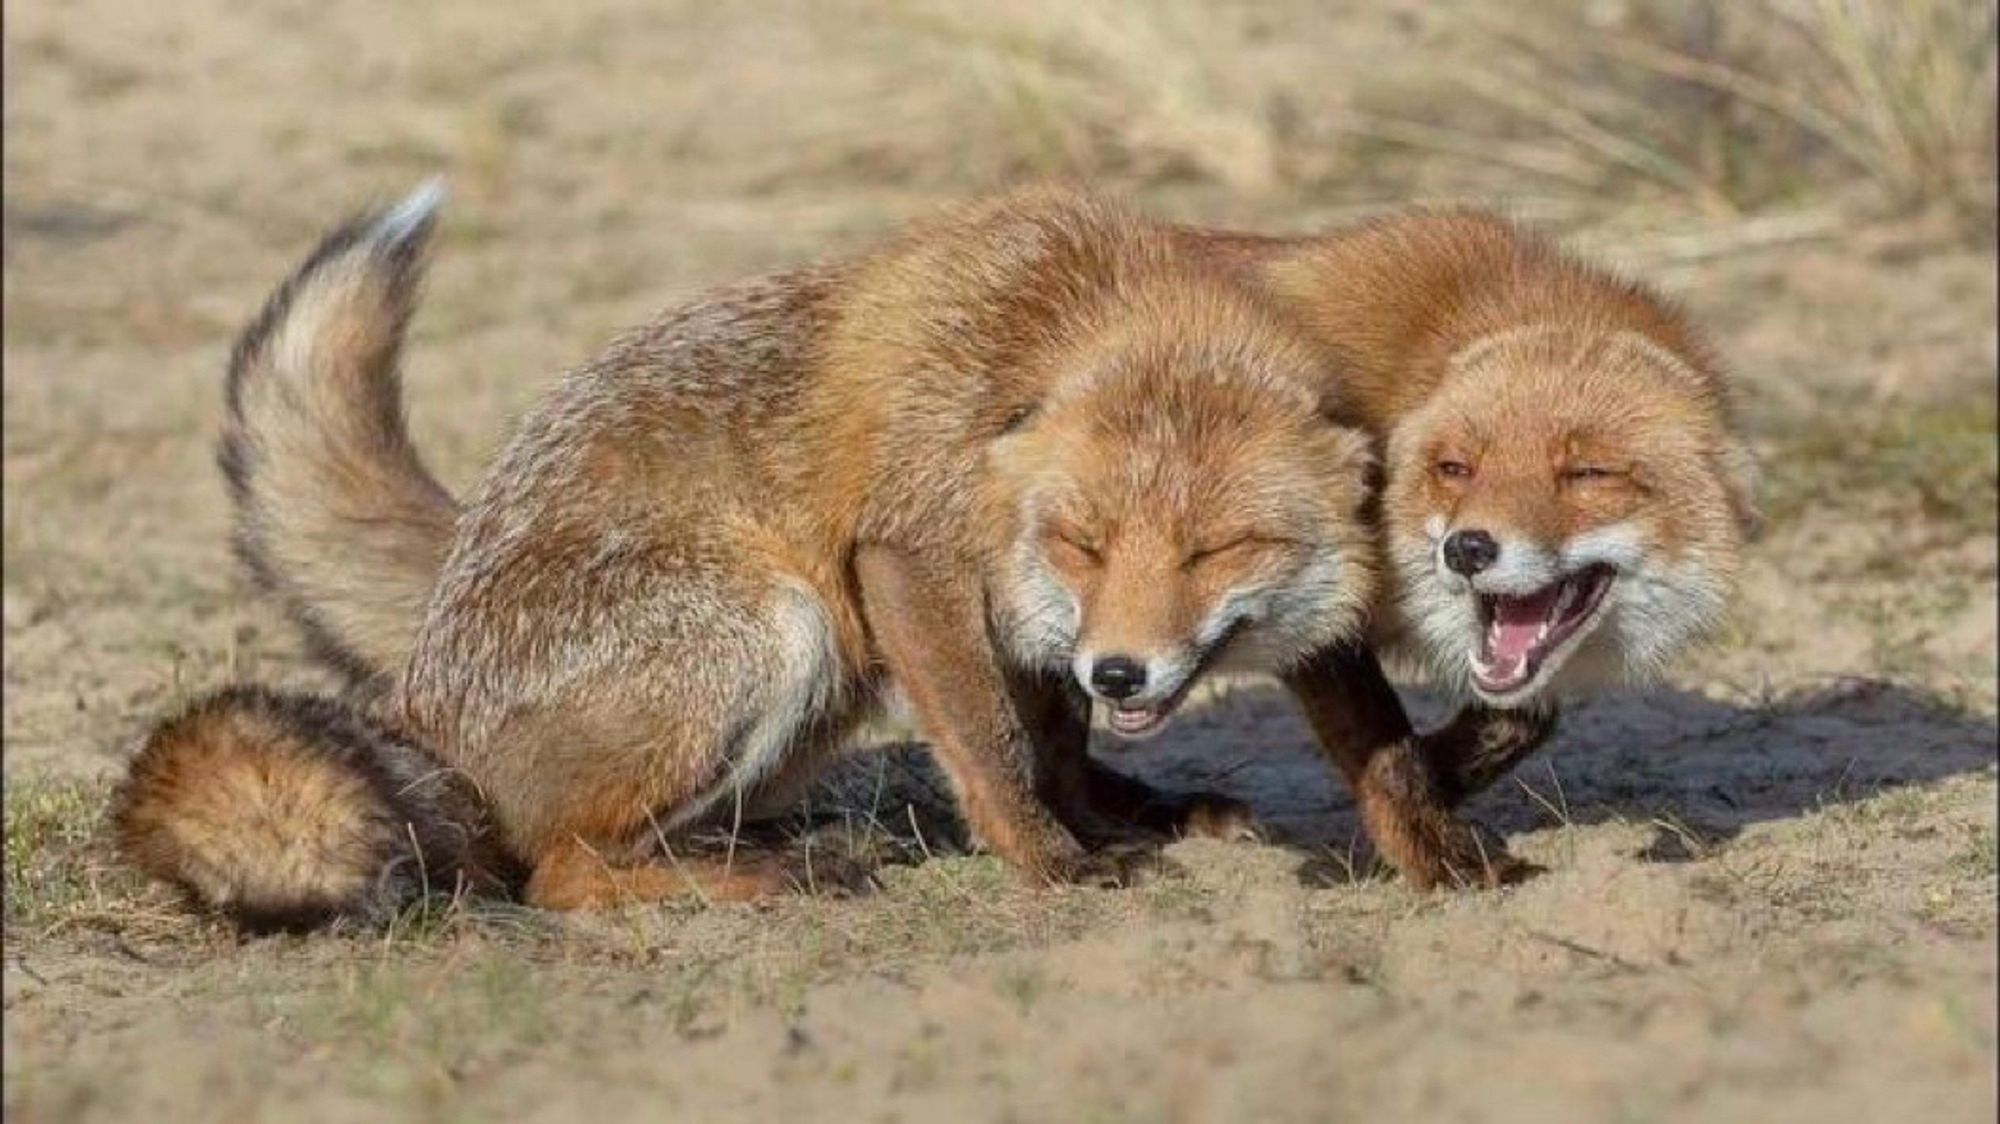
(1699, 770)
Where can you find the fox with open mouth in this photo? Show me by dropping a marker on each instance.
(1565, 499)
(1556, 521)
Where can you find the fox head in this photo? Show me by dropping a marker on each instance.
(1568, 508)
(1168, 514)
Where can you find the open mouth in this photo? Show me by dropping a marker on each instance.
(1138, 723)
(1135, 722)
(1518, 634)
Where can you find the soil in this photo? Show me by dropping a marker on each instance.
(1771, 882)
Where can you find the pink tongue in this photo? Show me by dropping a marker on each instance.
(1516, 621)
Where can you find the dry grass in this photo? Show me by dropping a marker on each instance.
(1908, 93)
(1940, 460)
(1753, 872)
(1687, 97)
(1096, 87)
(61, 874)
(1721, 108)
(887, 813)
(1734, 107)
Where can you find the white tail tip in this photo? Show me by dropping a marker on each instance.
(413, 213)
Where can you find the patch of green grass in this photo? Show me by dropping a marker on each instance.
(415, 1031)
(59, 865)
(1936, 460)
(1980, 857)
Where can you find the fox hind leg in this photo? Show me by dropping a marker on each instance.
(573, 875)
(599, 785)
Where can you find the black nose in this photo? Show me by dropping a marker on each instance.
(1468, 552)
(1118, 677)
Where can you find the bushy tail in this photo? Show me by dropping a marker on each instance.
(290, 812)
(336, 514)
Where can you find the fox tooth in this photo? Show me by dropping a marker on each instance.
(1571, 590)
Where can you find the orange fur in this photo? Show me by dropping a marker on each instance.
(1575, 418)
(285, 811)
(706, 555)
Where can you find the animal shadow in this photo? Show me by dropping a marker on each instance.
(1699, 769)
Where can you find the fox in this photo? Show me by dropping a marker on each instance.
(1566, 495)
(1023, 459)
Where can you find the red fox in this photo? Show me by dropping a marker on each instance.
(1566, 500)
(1025, 453)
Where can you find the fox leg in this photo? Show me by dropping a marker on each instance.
(1098, 803)
(1480, 745)
(573, 875)
(611, 838)
(1362, 727)
(930, 628)
(1187, 815)
(608, 839)
(1067, 780)
(598, 751)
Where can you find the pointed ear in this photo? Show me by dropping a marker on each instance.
(1005, 453)
(1737, 466)
(1021, 453)
(1349, 449)
(1352, 467)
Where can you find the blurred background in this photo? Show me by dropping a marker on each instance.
(1815, 179)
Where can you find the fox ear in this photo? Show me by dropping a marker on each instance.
(1351, 447)
(1018, 452)
(1016, 417)
(1737, 466)
(1350, 452)
(1004, 452)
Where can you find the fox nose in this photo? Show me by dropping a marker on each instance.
(1117, 677)
(1469, 552)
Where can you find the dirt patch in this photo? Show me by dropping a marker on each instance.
(1771, 884)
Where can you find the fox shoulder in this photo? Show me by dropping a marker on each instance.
(287, 812)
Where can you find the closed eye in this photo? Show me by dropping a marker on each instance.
(1582, 472)
(1015, 419)
(1229, 547)
(1078, 545)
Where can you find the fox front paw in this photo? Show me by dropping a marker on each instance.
(1465, 861)
(1207, 816)
(1115, 867)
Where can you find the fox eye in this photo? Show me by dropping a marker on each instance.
(1015, 419)
(1077, 544)
(1581, 472)
(1223, 549)
(1454, 470)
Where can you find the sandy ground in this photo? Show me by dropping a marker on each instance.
(1771, 887)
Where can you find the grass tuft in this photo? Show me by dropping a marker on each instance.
(61, 872)
(1938, 460)
(1132, 88)
(1728, 107)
